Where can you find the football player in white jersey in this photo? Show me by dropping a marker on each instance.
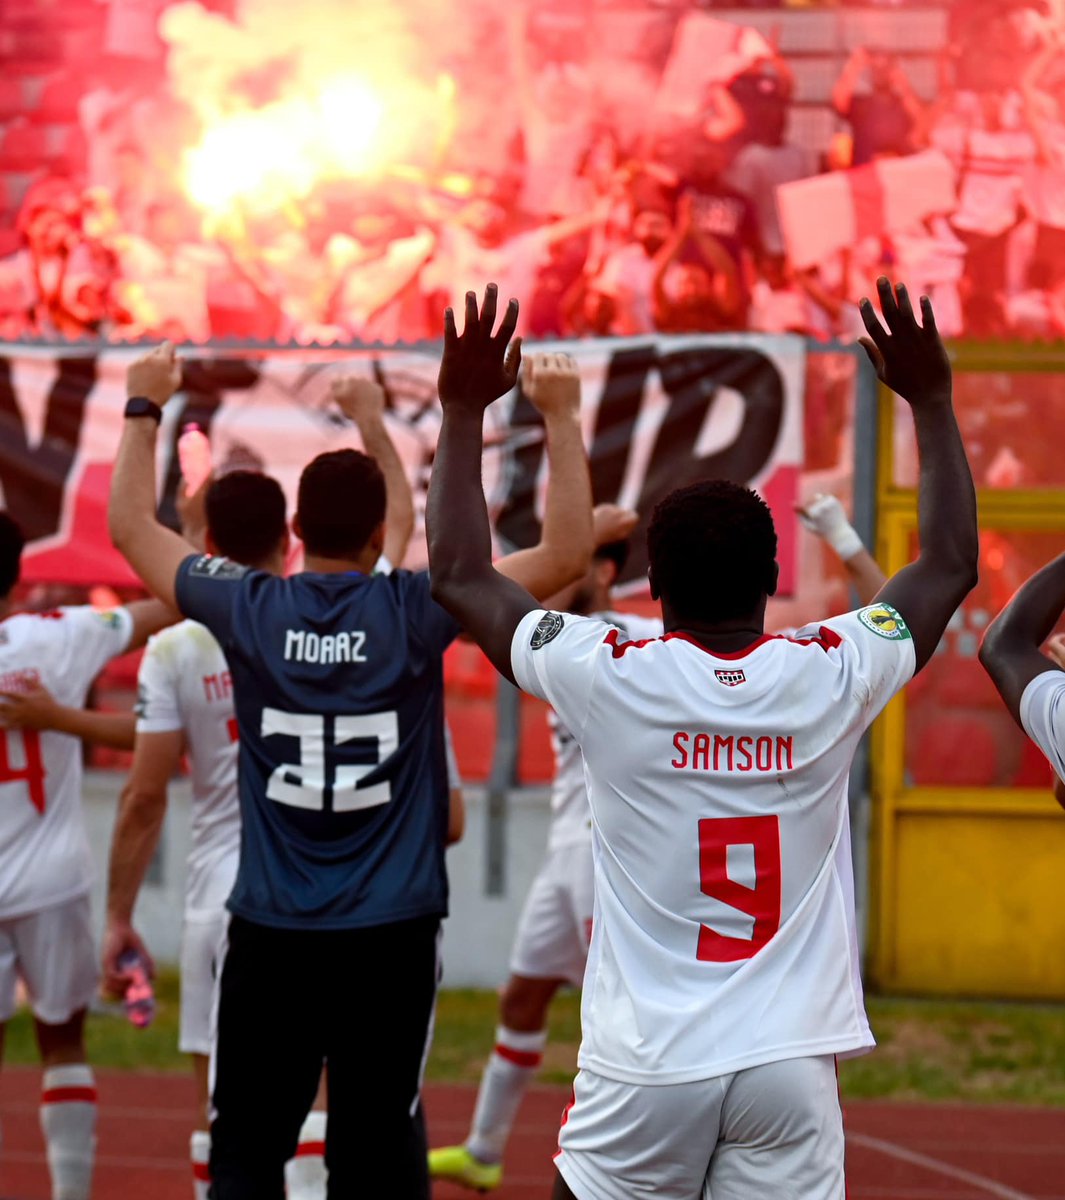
(1029, 671)
(551, 942)
(722, 977)
(46, 936)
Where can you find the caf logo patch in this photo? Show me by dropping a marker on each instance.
(211, 566)
(730, 678)
(548, 628)
(884, 621)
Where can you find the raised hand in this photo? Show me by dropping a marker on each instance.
(612, 523)
(909, 357)
(358, 398)
(155, 375)
(553, 384)
(479, 367)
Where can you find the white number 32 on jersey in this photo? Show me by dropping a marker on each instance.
(303, 784)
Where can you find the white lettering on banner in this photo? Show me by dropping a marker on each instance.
(647, 402)
(307, 647)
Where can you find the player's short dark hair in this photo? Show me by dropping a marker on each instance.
(246, 516)
(615, 552)
(12, 541)
(712, 548)
(341, 502)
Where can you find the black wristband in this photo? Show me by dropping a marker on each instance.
(141, 406)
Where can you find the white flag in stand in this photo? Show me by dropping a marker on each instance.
(705, 51)
(828, 213)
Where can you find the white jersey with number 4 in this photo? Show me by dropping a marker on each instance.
(44, 851)
(571, 822)
(184, 684)
(724, 932)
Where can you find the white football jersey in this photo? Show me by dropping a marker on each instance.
(571, 822)
(185, 684)
(724, 933)
(44, 850)
(1043, 716)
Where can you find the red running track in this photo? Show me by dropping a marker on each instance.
(896, 1151)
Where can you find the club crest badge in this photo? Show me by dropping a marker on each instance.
(730, 678)
(884, 621)
(548, 628)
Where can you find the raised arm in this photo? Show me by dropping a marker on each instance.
(824, 516)
(477, 368)
(724, 277)
(39, 709)
(1010, 652)
(153, 551)
(911, 360)
(553, 384)
(141, 810)
(363, 401)
(667, 256)
(843, 92)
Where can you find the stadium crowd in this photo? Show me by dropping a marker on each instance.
(611, 221)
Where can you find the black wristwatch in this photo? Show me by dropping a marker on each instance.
(141, 406)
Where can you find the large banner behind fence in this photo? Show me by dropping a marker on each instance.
(656, 413)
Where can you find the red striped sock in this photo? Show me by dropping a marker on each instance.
(68, 1122)
(507, 1075)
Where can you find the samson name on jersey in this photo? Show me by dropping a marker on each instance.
(724, 933)
(338, 691)
(44, 851)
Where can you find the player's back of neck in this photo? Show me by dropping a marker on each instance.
(724, 636)
(321, 564)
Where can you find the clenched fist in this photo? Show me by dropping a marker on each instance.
(155, 375)
(358, 398)
(553, 383)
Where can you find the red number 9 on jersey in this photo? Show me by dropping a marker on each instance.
(762, 902)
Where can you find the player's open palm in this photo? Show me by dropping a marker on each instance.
(478, 365)
(553, 383)
(909, 356)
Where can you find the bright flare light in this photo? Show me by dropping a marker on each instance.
(274, 155)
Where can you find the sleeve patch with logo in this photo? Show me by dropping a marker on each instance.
(209, 566)
(110, 618)
(885, 622)
(547, 629)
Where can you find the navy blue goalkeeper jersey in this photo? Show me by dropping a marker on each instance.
(338, 689)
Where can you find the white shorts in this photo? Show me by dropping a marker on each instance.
(774, 1130)
(556, 922)
(202, 942)
(54, 953)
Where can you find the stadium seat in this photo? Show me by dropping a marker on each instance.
(12, 98)
(24, 147)
(15, 185)
(59, 100)
(65, 148)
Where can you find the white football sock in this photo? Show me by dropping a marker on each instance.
(200, 1153)
(68, 1122)
(305, 1175)
(507, 1074)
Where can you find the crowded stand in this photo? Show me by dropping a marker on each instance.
(198, 171)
